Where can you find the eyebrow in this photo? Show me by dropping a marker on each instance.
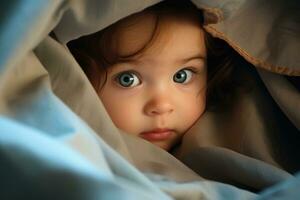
(194, 57)
(184, 60)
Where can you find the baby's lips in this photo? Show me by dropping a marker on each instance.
(157, 134)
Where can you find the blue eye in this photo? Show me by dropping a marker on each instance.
(183, 76)
(128, 79)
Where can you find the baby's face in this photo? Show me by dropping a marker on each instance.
(159, 94)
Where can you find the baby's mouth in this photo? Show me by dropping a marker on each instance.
(158, 134)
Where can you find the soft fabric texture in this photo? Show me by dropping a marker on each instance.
(58, 142)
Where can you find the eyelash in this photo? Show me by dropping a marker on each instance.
(192, 69)
(127, 71)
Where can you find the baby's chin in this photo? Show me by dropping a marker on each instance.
(163, 145)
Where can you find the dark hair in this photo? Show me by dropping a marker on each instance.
(95, 53)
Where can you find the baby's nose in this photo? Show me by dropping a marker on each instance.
(159, 106)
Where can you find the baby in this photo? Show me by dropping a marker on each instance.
(150, 70)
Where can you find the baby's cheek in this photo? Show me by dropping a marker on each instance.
(195, 110)
(123, 117)
(118, 114)
(113, 108)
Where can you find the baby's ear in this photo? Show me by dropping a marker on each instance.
(89, 66)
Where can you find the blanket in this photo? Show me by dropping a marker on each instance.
(58, 142)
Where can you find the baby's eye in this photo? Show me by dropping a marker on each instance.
(183, 76)
(128, 79)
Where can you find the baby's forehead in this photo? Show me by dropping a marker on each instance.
(134, 33)
(146, 31)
